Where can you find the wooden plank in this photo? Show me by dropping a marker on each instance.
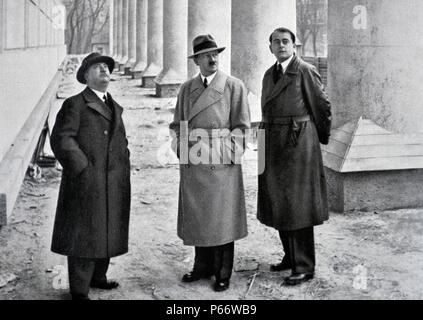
(384, 151)
(2, 33)
(378, 164)
(340, 136)
(336, 147)
(389, 139)
(366, 128)
(332, 161)
(349, 127)
(14, 164)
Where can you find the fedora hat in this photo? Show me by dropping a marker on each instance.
(91, 59)
(203, 44)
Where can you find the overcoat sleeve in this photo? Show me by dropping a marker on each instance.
(240, 122)
(318, 103)
(175, 124)
(64, 139)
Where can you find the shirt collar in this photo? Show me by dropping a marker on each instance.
(209, 78)
(286, 63)
(99, 93)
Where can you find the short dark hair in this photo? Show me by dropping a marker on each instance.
(282, 29)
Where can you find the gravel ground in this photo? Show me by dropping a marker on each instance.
(360, 255)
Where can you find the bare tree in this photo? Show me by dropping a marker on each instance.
(311, 21)
(85, 19)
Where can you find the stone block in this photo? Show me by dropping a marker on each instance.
(167, 90)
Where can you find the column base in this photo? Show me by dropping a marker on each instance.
(127, 71)
(148, 82)
(136, 74)
(167, 90)
(371, 191)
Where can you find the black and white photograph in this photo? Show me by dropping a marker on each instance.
(228, 151)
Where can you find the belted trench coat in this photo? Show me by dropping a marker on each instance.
(292, 191)
(211, 209)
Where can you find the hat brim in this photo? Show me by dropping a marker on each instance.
(206, 50)
(80, 75)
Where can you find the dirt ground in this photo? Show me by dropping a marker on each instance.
(360, 255)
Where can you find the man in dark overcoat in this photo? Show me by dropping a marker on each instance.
(210, 121)
(92, 217)
(296, 115)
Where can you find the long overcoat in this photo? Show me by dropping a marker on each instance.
(292, 189)
(89, 141)
(211, 208)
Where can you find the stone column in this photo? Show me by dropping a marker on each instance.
(374, 54)
(115, 29)
(175, 24)
(132, 37)
(119, 34)
(210, 17)
(154, 43)
(142, 16)
(112, 32)
(125, 35)
(252, 23)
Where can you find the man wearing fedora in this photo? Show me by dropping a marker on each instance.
(92, 217)
(292, 189)
(211, 213)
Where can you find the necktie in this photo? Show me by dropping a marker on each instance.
(280, 69)
(279, 72)
(206, 84)
(106, 101)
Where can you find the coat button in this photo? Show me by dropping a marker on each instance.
(106, 132)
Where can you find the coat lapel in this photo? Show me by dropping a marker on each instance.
(94, 102)
(283, 82)
(201, 98)
(117, 110)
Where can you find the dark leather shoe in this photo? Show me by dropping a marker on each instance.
(298, 278)
(221, 285)
(282, 266)
(108, 285)
(194, 276)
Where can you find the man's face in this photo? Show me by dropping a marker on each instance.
(208, 62)
(98, 75)
(282, 46)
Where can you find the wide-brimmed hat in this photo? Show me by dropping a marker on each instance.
(91, 59)
(203, 44)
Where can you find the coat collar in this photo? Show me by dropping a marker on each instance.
(95, 103)
(289, 75)
(202, 98)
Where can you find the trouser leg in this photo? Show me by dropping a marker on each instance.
(203, 262)
(223, 261)
(285, 244)
(100, 270)
(80, 272)
(301, 250)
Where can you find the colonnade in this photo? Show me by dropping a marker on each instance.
(152, 39)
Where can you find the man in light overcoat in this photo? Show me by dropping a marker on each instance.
(92, 217)
(292, 195)
(211, 117)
